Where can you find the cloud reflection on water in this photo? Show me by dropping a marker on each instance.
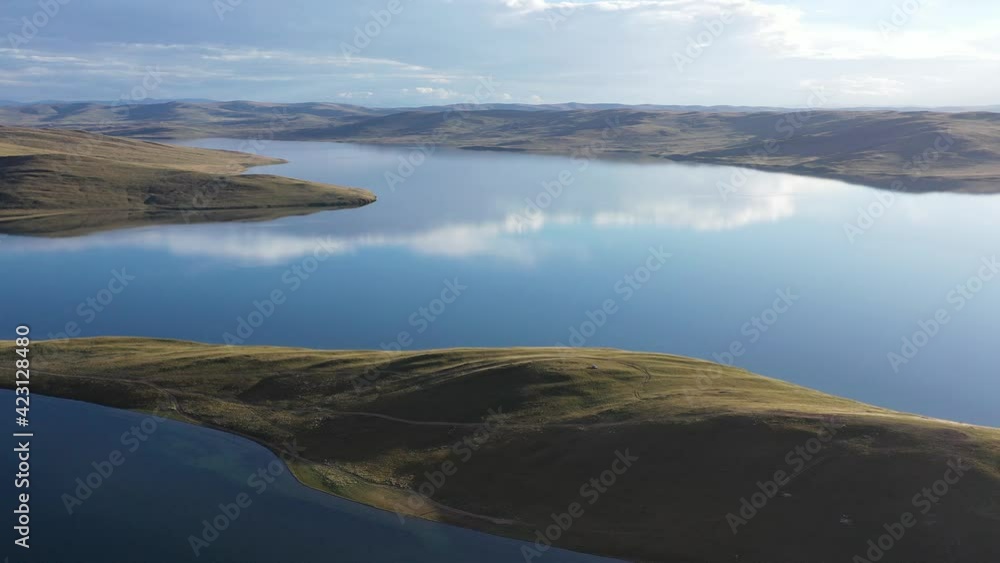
(511, 229)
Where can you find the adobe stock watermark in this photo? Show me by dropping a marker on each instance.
(421, 319)
(257, 482)
(90, 308)
(591, 492)
(369, 377)
(150, 82)
(206, 194)
(755, 328)
(991, 507)
(958, 298)
(422, 495)
(223, 7)
(534, 210)
(364, 34)
(408, 165)
(131, 440)
(702, 41)
(786, 126)
(796, 461)
(901, 16)
(293, 277)
(626, 287)
(558, 14)
(923, 501)
(884, 199)
(32, 25)
(261, 138)
(704, 379)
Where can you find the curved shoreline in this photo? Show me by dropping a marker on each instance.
(907, 151)
(375, 444)
(178, 414)
(64, 183)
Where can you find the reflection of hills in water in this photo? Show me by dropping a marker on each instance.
(466, 215)
(78, 224)
(502, 209)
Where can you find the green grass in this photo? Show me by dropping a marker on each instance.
(69, 182)
(705, 435)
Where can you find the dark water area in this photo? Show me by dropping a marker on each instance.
(145, 502)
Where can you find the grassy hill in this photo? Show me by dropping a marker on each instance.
(56, 182)
(699, 437)
(921, 150)
(183, 119)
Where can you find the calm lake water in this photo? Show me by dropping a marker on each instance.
(532, 269)
(148, 506)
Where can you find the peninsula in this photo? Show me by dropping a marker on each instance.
(62, 182)
(636, 455)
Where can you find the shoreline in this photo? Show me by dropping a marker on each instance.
(924, 151)
(883, 182)
(374, 445)
(499, 527)
(64, 183)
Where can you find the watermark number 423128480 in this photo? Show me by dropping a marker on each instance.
(22, 436)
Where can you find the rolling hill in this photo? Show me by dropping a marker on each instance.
(58, 182)
(910, 151)
(642, 456)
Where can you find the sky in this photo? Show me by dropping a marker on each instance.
(428, 52)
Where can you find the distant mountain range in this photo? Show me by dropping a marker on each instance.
(527, 107)
(147, 101)
(717, 108)
(893, 149)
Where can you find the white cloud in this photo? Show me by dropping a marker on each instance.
(439, 93)
(213, 53)
(858, 86)
(785, 31)
(527, 6)
(593, 51)
(513, 234)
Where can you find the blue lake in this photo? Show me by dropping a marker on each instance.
(171, 477)
(534, 264)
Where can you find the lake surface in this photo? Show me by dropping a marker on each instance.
(532, 268)
(148, 506)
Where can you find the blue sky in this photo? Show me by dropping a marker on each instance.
(422, 52)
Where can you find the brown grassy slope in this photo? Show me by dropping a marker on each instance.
(924, 150)
(80, 144)
(60, 175)
(184, 119)
(704, 435)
